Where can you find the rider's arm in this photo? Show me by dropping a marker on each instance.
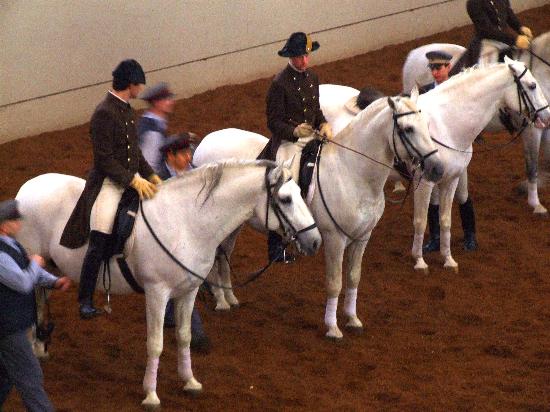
(102, 128)
(513, 20)
(277, 118)
(485, 28)
(23, 280)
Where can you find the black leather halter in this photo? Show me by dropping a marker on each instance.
(290, 232)
(524, 99)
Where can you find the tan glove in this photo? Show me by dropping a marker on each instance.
(145, 189)
(527, 31)
(155, 179)
(522, 42)
(326, 130)
(303, 130)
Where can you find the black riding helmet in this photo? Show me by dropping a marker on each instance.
(127, 72)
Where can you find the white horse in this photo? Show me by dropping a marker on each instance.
(457, 111)
(351, 174)
(416, 72)
(190, 216)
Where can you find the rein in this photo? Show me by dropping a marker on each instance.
(283, 220)
(409, 147)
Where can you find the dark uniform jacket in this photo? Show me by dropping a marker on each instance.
(116, 155)
(293, 98)
(426, 88)
(494, 20)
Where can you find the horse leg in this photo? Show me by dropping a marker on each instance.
(214, 279)
(38, 346)
(334, 254)
(531, 146)
(446, 195)
(156, 300)
(353, 266)
(184, 307)
(225, 269)
(421, 202)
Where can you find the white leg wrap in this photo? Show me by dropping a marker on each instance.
(417, 245)
(184, 364)
(330, 313)
(150, 378)
(350, 302)
(532, 194)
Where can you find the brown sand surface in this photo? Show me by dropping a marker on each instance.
(477, 340)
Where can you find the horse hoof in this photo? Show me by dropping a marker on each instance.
(193, 387)
(453, 269)
(222, 307)
(422, 266)
(355, 330)
(334, 333)
(354, 323)
(151, 401)
(540, 211)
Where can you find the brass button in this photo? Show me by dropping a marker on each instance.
(128, 160)
(305, 110)
(299, 88)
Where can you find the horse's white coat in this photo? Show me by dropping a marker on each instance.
(415, 71)
(352, 185)
(191, 215)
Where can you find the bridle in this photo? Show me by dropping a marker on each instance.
(414, 154)
(524, 99)
(272, 190)
(416, 157)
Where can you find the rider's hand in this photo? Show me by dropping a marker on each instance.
(303, 130)
(63, 283)
(155, 179)
(326, 130)
(522, 42)
(145, 189)
(526, 31)
(39, 260)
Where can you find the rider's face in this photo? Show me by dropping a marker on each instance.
(135, 90)
(440, 72)
(300, 62)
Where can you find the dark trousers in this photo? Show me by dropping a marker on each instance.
(20, 368)
(196, 322)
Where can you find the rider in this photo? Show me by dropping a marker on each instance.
(439, 63)
(497, 28)
(19, 273)
(118, 165)
(293, 109)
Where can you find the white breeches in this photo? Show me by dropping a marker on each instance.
(490, 50)
(461, 194)
(104, 210)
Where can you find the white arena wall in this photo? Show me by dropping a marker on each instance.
(56, 56)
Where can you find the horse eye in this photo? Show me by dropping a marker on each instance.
(285, 200)
(409, 129)
(532, 86)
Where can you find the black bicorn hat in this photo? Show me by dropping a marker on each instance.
(9, 210)
(157, 92)
(438, 57)
(298, 44)
(176, 142)
(129, 72)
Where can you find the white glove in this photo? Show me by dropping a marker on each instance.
(303, 130)
(326, 130)
(527, 31)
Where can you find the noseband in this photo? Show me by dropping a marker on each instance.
(524, 99)
(416, 157)
(290, 232)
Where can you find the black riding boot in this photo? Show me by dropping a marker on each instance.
(90, 270)
(275, 249)
(433, 226)
(468, 225)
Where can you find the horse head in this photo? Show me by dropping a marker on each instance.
(411, 141)
(288, 210)
(529, 99)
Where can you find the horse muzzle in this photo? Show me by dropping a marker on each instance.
(309, 241)
(542, 119)
(433, 169)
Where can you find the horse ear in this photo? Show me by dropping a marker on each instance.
(508, 60)
(414, 93)
(391, 103)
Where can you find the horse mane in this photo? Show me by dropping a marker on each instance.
(210, 174)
